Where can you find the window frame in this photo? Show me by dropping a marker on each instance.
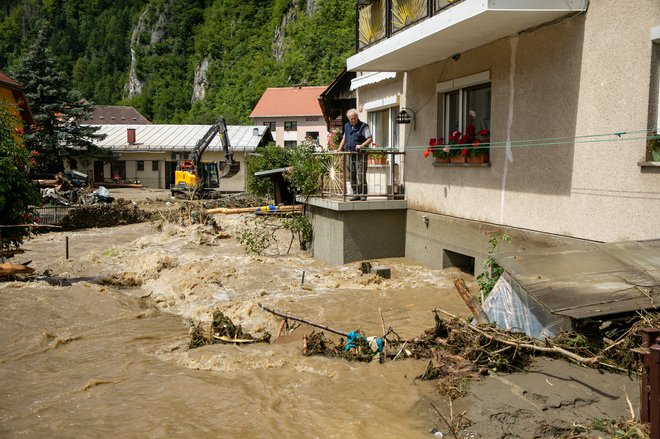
(290, 125)
(460, 87)
(139, 166)
(392, 129)
(271, 125)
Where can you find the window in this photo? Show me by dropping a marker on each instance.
(463, 102)
(312, 136)
(271, 126)
(464, 107)
(118, 170)
(154, 165)
(289, 143)
(140, 165)
(290, 125)
(384, 128)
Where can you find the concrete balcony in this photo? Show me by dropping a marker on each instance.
(402, 35)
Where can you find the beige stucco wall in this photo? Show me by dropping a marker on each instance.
(586, 75)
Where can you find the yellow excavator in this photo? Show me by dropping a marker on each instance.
(194, 178)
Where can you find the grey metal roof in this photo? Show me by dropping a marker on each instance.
(166, 138)
(589, 280)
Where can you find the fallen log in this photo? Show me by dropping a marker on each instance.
(471, 302)
(8, 269)
(233, 210)
(592, 361)
(298, 319)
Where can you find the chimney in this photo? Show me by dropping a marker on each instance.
(130, 133)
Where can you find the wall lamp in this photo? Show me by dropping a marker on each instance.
(406, 116)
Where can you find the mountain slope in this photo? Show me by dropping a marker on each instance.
(184, 60)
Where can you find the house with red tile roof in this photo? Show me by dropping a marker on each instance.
(12, 92)
(293, 114)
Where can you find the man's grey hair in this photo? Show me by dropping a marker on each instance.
(352, 111)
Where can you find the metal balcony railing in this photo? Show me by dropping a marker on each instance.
(371, 175)
(376, 20)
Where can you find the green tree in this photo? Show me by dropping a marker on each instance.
(58, 111)
(16, 190)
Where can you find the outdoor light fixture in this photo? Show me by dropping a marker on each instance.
(406, 115)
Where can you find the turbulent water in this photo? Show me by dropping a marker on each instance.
(97, 347)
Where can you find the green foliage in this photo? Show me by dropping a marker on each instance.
(258, 236)
(270, 157)
(300, 226)
(16, 191)
(57, 111)
(492, 271)
(306, 169)
(250, 44)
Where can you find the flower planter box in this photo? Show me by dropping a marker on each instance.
(442, 160)
(480, 158)
(457, 159)
(377, 160)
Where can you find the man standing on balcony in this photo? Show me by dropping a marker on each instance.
(357, 136)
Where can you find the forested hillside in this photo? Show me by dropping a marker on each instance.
(183, 61)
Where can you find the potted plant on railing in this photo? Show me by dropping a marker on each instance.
(653, 147)
(376, 156)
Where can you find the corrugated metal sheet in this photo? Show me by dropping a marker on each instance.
(589, 280)
(166, 138)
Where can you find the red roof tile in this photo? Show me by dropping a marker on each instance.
(289, 101)
(4, 79)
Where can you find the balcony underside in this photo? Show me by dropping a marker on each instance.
(464, 26)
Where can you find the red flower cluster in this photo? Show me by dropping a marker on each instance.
(457, 144)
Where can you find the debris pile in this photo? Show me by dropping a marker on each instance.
(222, 330)
(117, 213)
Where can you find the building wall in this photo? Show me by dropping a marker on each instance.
(587, 75)
(565, 84)
(316, 124)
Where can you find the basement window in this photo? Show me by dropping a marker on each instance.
(463, 262)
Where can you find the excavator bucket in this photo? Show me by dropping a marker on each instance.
(230, 169)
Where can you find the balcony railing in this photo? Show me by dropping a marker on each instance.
(376, 20)
(371, 175)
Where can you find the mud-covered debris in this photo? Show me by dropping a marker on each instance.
(223, 330)
(318, 344)
(120, 212)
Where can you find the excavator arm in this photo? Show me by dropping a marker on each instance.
(231, 167)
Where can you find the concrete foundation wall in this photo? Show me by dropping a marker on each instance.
(347, 236)
(441, 241)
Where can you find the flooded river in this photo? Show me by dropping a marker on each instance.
(82, 358)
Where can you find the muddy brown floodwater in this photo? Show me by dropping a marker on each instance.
(79, 358)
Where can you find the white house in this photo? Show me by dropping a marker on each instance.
(293, 115)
